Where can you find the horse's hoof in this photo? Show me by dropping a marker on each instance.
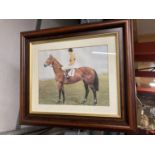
(58, 102)
(95, 103)
(83, 102)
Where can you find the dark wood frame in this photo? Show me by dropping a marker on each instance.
(127, 122)
(144, 51)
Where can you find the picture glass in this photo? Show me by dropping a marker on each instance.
(77, 76)
(89, 63)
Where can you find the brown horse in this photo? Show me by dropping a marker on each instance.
(86, 74)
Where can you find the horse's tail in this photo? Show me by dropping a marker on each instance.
(96, 81)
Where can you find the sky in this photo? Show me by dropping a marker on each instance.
(95, 57)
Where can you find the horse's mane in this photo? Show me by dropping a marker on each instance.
(56, 62)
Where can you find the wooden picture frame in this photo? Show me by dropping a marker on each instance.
(118, 37)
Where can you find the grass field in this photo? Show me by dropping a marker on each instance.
(74, 93)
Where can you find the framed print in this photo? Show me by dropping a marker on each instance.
(80, 76)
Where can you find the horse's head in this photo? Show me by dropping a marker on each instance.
(49, 61)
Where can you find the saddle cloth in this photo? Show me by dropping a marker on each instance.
(69, 72)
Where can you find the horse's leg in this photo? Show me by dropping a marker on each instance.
(86, 92)
(63, 94)
(59, 96)
(59, 85)
(94, 94)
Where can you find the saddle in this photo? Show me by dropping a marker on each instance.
(69, 73)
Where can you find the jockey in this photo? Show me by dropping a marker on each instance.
(70, 69)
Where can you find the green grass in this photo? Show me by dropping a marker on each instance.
(74, 93)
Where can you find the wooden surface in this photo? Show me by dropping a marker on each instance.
(145, 74)
(145, 51)
(146, 90)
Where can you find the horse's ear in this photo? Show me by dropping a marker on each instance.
(50, 56)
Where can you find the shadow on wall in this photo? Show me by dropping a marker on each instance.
(46, 23)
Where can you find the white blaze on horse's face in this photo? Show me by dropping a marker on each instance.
(49, 61)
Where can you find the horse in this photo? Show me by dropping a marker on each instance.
(85, 74)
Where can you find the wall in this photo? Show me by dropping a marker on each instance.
(10, 66)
